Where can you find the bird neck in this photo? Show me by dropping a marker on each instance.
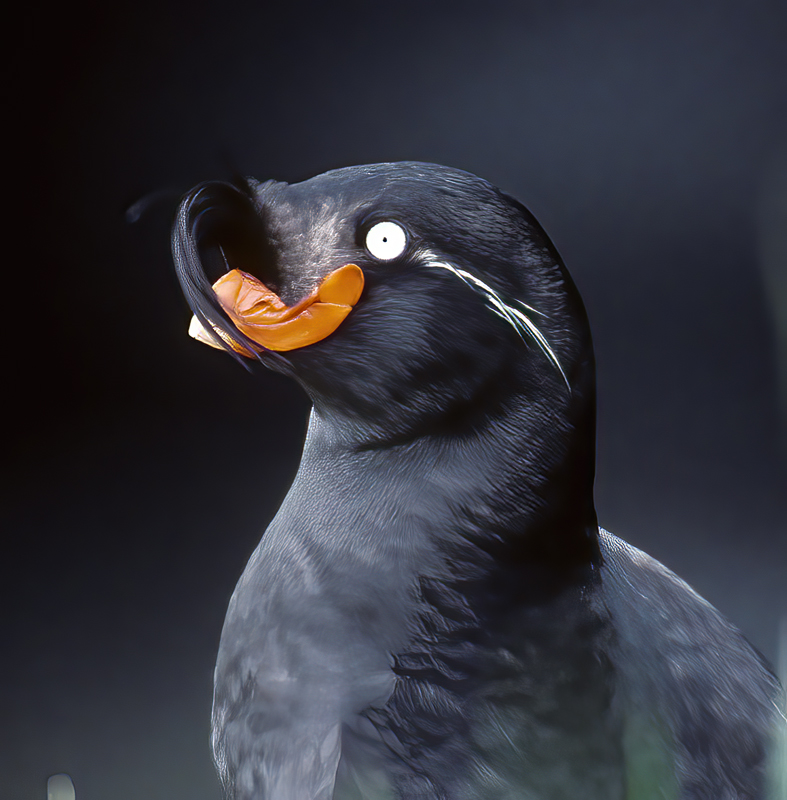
(518, 489)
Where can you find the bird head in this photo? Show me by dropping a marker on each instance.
(404, 297)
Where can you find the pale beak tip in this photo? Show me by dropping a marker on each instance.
(197, 331)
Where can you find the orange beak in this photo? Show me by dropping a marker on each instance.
(261, 314)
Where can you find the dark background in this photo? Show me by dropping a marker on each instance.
(650, 139)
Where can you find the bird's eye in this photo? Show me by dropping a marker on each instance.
(386, 240)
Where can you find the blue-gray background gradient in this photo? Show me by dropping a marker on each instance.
(650, 139)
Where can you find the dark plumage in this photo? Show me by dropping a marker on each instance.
(434, 612)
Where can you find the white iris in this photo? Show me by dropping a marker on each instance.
(386, 240)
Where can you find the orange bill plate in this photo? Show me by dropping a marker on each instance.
(264, 318)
